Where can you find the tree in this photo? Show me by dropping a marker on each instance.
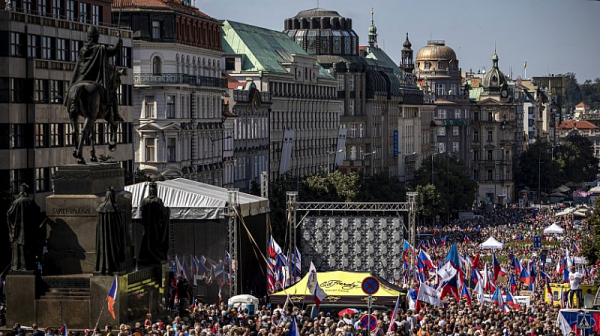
(536, 167)
(451, 181)
(576, 159)
(572, 91)
(591, 247)
(429, 201)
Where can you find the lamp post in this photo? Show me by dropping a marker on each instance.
(329, 160)
(372, 167)
(432, 154)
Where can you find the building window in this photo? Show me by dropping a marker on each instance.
(441, 114)
(42, 179)
(441, 131)
(40, 93)
(83, 12)
(171, 150)
(457, 114)
(351, 107)
(475, 155)
(351, 82)
(96, 15)
(491, 116)
(56, 131)
(17, 46)
(47, 47)
(490, 155)
(156, 30)
(56, 91)
(17, 136)
(455, 147)
(71, 8)
(74, 49)
(27, 8)
(33, 46)
(156, 69)
(441, 147)
(69, 132)
(61, 49)
(353, 153)
(42, 7)
(476, 116)
(476, 174)
(341, 83)
(150, 150)
(41, 135)
(490, 136)
(126, 57)
(17, 88)
(352, 131)
(453, 89)
(230, 64)
(150, 107)
(475, 136)
(490, 175)
(170, 106)
(57, 8)
(440, 89)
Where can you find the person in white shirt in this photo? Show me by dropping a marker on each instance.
(575, 284)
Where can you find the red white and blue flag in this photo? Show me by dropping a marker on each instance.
(497, 269)
(63, 330)
(510, 301)
(465, 294)
(425, 259)
(394, 314)
(525, 277)
(112, 296)
(313, 286)
(513, 284)
(497, 298)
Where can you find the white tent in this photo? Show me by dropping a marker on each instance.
(565, 212)
(491, 244)
(194, 200)
(554, 228)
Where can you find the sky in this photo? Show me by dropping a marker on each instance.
(553, 36)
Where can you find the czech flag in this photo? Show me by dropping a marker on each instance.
(497, 297)
(407, 246)
(475, 275)
(525, 277)
(476, 262)
(510, 301)
(293, 328)
(465, 294)
(513, 284)
(496, 266)
(451, 287)
(444, 241)
(576, 248)
(112, 296)
(425, 259)
(548, 290)
(453, 257)
(63, 330)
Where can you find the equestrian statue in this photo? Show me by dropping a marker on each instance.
(92, 93)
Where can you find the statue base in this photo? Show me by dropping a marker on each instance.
(80, 300)
(88, 179)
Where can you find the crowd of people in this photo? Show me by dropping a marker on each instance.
(459, 318)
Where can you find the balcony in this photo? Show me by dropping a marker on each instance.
(177, 78)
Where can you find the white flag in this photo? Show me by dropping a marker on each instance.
(446, 273)
(313, 286)
(479, 291)
(429, 295)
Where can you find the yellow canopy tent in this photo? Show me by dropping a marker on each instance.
(341, 287)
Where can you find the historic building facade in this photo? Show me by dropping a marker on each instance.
(497, 136)
(42, 41)
(304, 118)
(249, 111)
(178, 89)
(438, 73)
(374, 91)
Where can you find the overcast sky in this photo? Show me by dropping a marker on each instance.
(554, 36)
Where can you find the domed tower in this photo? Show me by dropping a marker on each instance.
(372, 31)
(407, 64)
(494, 81)
(322, 31)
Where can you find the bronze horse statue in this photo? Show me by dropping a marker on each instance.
(93, 93)
(85, 99)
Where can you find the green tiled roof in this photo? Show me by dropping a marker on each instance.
(382, 59)
(264, 49)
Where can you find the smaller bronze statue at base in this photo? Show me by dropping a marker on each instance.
(155, 219)
(24, 218)
(110, 236)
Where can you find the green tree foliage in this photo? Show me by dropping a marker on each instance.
(576, 159)
(572, 92)
(451, 181)
(591, 247)
(430, 202)
(587, 92)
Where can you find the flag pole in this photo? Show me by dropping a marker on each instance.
(101, 311)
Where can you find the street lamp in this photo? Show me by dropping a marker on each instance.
(432, 154)
(372, 167)
(329, 160)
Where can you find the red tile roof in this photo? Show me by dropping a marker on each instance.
(580, 124)
(582, 104)
(172, 4)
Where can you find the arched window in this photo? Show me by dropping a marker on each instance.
(177, 62)
(156, 67)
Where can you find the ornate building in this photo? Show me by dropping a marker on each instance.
(497, 136)
(304, 117)
(373, 88)
(438, 73)
(177, 89)
(41, 44)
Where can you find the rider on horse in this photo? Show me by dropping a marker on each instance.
(92, 66)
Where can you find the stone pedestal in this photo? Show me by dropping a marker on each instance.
(72, 216)
(20, 297)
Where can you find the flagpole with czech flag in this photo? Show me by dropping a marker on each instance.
(110, 301)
